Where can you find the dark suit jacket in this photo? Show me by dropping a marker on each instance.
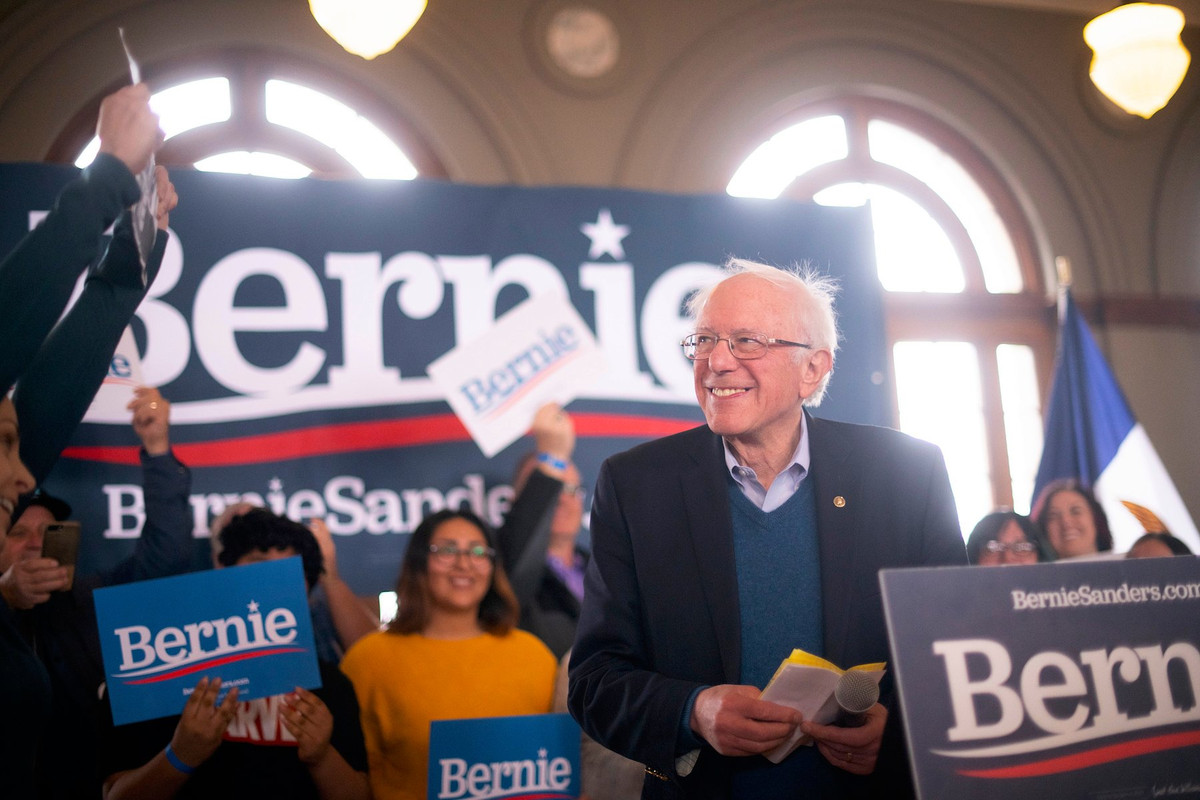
(660, 615)
(548, 608)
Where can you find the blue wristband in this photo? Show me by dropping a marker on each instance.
(549, 460)
(176, 762)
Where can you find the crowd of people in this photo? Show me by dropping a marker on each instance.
(714, 552)
(1067, 523)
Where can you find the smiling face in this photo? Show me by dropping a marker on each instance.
(1070, 526)
(1011, 534)
(15, 479)
(458, 585)
(24, 540)
(756, 403)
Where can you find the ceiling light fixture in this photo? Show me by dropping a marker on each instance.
(1139, 60)
(367, 28)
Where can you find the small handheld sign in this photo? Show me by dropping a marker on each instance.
(504, 758)
(249, 626)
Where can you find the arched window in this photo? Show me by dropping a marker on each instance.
(970, 332)
(243, 114)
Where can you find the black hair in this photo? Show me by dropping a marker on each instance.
(498, 611)
(58, 508)
(1174, 544)
(259, 529)
(1041, 510)
(990, 526)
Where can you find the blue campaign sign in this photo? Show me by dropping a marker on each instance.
(1065, 680)
(504, 758)
(249, 626)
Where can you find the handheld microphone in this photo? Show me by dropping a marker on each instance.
(855, 692)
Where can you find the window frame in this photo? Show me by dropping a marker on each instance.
(247, 128)
(975, 315)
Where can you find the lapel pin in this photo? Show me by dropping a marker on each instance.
(839, 501)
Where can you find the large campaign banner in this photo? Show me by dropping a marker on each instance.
(1065, 680)
(293, 322)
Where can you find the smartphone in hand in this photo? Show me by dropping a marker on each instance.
(61, 542)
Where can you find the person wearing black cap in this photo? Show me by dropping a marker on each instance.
(61, 624)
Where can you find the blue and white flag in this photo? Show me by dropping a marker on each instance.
(1091, 434)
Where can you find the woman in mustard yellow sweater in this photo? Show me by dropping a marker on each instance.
(452, 652)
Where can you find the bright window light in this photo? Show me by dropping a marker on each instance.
(180, 108)
(1022, 419)
(241, 162)
(208, 101)
(903, 149)
(912, 252)
(339, 127)
(191, 105)
(388, 606)
(787, 155)
(941, 400)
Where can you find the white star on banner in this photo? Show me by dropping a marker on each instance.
(606, 236)
(253, 606)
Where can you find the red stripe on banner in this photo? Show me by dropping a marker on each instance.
(358, 436)
(1090, 758)
(215, 662)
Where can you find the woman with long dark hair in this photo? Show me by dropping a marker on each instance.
(452, 652)
(1072, 520)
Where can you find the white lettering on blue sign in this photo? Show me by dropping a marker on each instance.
(487, 781)
(146, 652)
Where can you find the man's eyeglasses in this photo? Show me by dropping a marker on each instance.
(447, 553)
(745, 346)
(1017, 547)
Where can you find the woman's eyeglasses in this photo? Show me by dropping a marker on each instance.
(1017, 547)
(447, 553)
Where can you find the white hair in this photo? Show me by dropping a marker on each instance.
(816, 292)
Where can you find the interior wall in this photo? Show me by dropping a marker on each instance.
(700, 83)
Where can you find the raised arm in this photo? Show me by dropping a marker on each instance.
(165, 546)
(36, 278)
(352, 620)
(56, 389)
(525, 534)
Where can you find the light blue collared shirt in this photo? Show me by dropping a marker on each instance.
(786, 482)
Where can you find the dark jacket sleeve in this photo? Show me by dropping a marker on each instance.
(617, 692)
(37, 277)
(55, 391)
(165, 546)
(525, 535)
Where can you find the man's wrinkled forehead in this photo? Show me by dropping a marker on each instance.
(750, 302)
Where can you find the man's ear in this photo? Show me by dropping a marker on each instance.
(815, 368)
